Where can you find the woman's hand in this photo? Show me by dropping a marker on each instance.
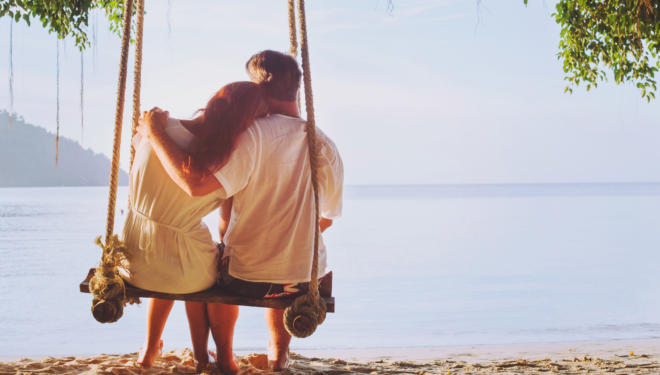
(151, 121)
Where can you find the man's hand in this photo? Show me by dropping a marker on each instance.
(324, 223)
(152, 121)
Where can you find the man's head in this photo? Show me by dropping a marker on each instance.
(277, 73)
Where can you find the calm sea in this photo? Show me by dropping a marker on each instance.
(414, 266)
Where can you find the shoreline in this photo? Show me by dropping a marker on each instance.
(615, 356)
(464, 352)
(531, 351)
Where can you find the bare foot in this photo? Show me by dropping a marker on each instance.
(147, 357)
(228, 365)
(215, 365)
(213, 355)
(214, 368)
(278, 357)
(204, 365)
(208, 369)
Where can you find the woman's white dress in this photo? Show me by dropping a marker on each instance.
(170, 249)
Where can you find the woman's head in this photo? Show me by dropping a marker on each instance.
(229, 112)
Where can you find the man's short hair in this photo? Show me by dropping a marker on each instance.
(276, 72)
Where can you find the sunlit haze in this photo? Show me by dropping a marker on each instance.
(426, 92)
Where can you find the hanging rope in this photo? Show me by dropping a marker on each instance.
(57, 111)
(119, 113)
(106, 285)
(307, 311)
(137, 73)
(11, 73)
(293, 39)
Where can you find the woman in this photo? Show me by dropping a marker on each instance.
(170, 249)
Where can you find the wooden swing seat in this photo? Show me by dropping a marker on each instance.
(217, 295)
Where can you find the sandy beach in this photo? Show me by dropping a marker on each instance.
(613, 357)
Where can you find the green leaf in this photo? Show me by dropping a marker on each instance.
(601, 38)
(65, 18)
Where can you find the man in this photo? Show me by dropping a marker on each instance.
(269, 239)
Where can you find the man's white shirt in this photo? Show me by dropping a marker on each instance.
(271, 232)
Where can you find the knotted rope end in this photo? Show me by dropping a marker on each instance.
(305, 314)
(107, 286)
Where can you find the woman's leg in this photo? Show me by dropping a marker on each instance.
(199, 331)
(222, 319)
(278, 347)
(157, 313)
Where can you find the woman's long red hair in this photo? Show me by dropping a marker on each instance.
(226, 116)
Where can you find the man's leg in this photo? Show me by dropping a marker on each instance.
(222, 319)
(157, 313)
(199, 332)
(278, 347)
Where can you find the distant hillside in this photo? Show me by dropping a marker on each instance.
(27, 158)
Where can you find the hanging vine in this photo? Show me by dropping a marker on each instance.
(57, 112)
(11, 74)
(82, 97)
(95, 26)
(169, 19)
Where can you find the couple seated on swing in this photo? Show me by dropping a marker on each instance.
(246, 153)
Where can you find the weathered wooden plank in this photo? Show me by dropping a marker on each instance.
(217, 295)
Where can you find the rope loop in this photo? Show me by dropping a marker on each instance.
(107, 287)
(305, 314)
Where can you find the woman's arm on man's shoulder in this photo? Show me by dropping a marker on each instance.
(193, 182)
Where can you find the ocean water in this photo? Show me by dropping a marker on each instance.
(415, 266)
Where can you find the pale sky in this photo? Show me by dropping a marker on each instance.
(435, 91)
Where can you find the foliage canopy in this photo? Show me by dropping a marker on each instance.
(619, 36)
(66, 18)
